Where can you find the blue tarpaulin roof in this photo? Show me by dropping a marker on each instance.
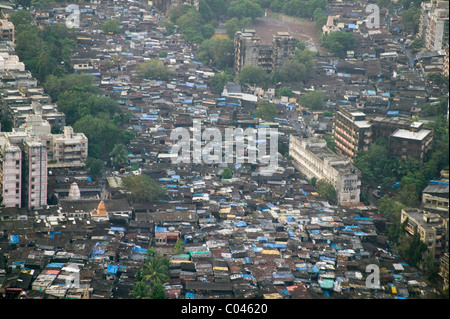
(160, 229)
(140, 250)
(55, 265)
(13, 239)
(112, 269)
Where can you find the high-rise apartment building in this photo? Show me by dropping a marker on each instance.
(68, 149)
(249, 50)
(10, 173)
(35, 174)
(23, 170)
(351, 131)
(434, 24)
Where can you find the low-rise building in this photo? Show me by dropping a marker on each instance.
(314, 159)
(405, 143)
(429, 226)
(435, 196)
(7, 30)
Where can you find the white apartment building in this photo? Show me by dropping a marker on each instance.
(24, 170)
(69, 148)
(10, 63)
(64, 150)
(10, 173)
(35, 162)
(314, 159)
(434, 25)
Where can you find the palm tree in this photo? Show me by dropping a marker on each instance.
(156, 270)
(141, 290)
(119, 154)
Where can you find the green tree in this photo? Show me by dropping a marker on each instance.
(54, 85)
(375, 163)
(410, 19)
(234, 24)
(227, 173)
(154, 69)
(179, 246)
(252, 75)
(102, 134)
(21, 17)
(112, 26)
(205, 11)
(158, 292)
(119, 155)
(284, 91)
(331, 143)
(327, 190)
(218, 53)
(156, 271)
(244, 9)
(292, 71)
(141, 290)
(320, 18)
(313, 100)
(95, 167)
(414, 251)
(339, 42)
(218, 82)
(207, 30)
(266, 111)
(141, 188)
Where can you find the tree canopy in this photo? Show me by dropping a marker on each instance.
(244, 9)
(266, 110)
(339, 42)
(154, 69)
(218, 53)
(141, 188)
(252, 75)
(314, 100)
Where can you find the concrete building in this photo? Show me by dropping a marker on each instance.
(385, 126)
(165, 6)
(405, 143)
(35, 174)
(10, 62)
(283, 49)
(69, 148)
(23, 171)
(314, 159)
(446, 61)
(249, 50)
(429, 226)
(7, 30)
(246, 49)
(436, 196)
(10, 173)
(434, 24)
(351, 131)
(443, 270)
